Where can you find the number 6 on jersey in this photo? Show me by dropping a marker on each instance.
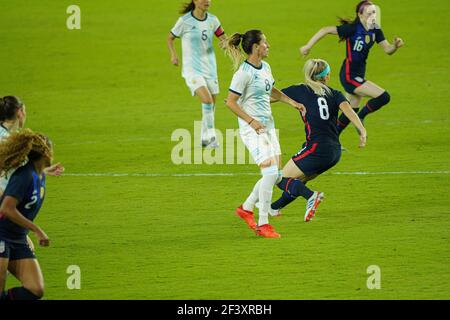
(323, 108)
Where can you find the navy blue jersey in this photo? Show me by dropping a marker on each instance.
(321, 112)
(358, 44)
(29, 189)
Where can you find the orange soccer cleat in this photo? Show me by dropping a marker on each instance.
(312, 205)
(247, 216)
(267, 231)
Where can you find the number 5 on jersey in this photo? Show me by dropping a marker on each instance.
(204, 35)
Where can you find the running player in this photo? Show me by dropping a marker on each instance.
(196, 28)
(249, 98)
(360, 35)
(20, 203)
(322, 149)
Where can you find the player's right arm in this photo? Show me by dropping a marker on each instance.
(173, 53)
(319, 35)
(237, 110)
(176, 32)
(9, 210)
(353, 117)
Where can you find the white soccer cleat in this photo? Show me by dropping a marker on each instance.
(272, 212)
(312, 205)
(211, 144)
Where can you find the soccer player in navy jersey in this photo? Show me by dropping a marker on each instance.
(20, 204)
(12, 118)
(359, 35)
(322, 149)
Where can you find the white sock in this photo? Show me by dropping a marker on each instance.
(280, 176)
(249, 204)
(208, 121)
(270, 176)
(253, 198)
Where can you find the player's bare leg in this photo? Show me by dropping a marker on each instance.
(379, 98)
(29, 273)
(3, 274)
(293, 185)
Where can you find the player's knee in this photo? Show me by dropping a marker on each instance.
(208, 100)
(36, 289)
(268, 163)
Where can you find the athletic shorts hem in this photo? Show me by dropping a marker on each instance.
(15, 251)
(196, 82)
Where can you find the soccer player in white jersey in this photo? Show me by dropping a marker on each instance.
(197, 28)
(251, 89)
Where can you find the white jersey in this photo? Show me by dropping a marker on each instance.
(4, 133)
(254, 86)
(197, 44)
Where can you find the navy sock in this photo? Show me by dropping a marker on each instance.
(343, 121)
(374, 104)
(282, 202)
(20, 293)
(292, 189)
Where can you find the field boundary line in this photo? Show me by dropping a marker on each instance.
(235, 174)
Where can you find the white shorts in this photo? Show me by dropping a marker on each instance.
(261, 146)
(196, 82)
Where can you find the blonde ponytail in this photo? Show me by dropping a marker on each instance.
(233, 51)
(312, 68)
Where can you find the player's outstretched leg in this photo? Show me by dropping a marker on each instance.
(374, 104)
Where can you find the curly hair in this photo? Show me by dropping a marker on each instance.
(21, 146)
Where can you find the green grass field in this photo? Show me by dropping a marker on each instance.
(110, 99)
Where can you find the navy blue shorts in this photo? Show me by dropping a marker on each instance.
(351, 80)
(15, 251)
(317, 158)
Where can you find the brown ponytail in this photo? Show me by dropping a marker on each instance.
(187, 7)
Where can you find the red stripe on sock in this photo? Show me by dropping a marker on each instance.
(287, 185)
(368, 107)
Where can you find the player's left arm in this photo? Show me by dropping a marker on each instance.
(391, 48)
(347, 109)
(8, 209)
(54, 170)
(277, 95)
(222, 40)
